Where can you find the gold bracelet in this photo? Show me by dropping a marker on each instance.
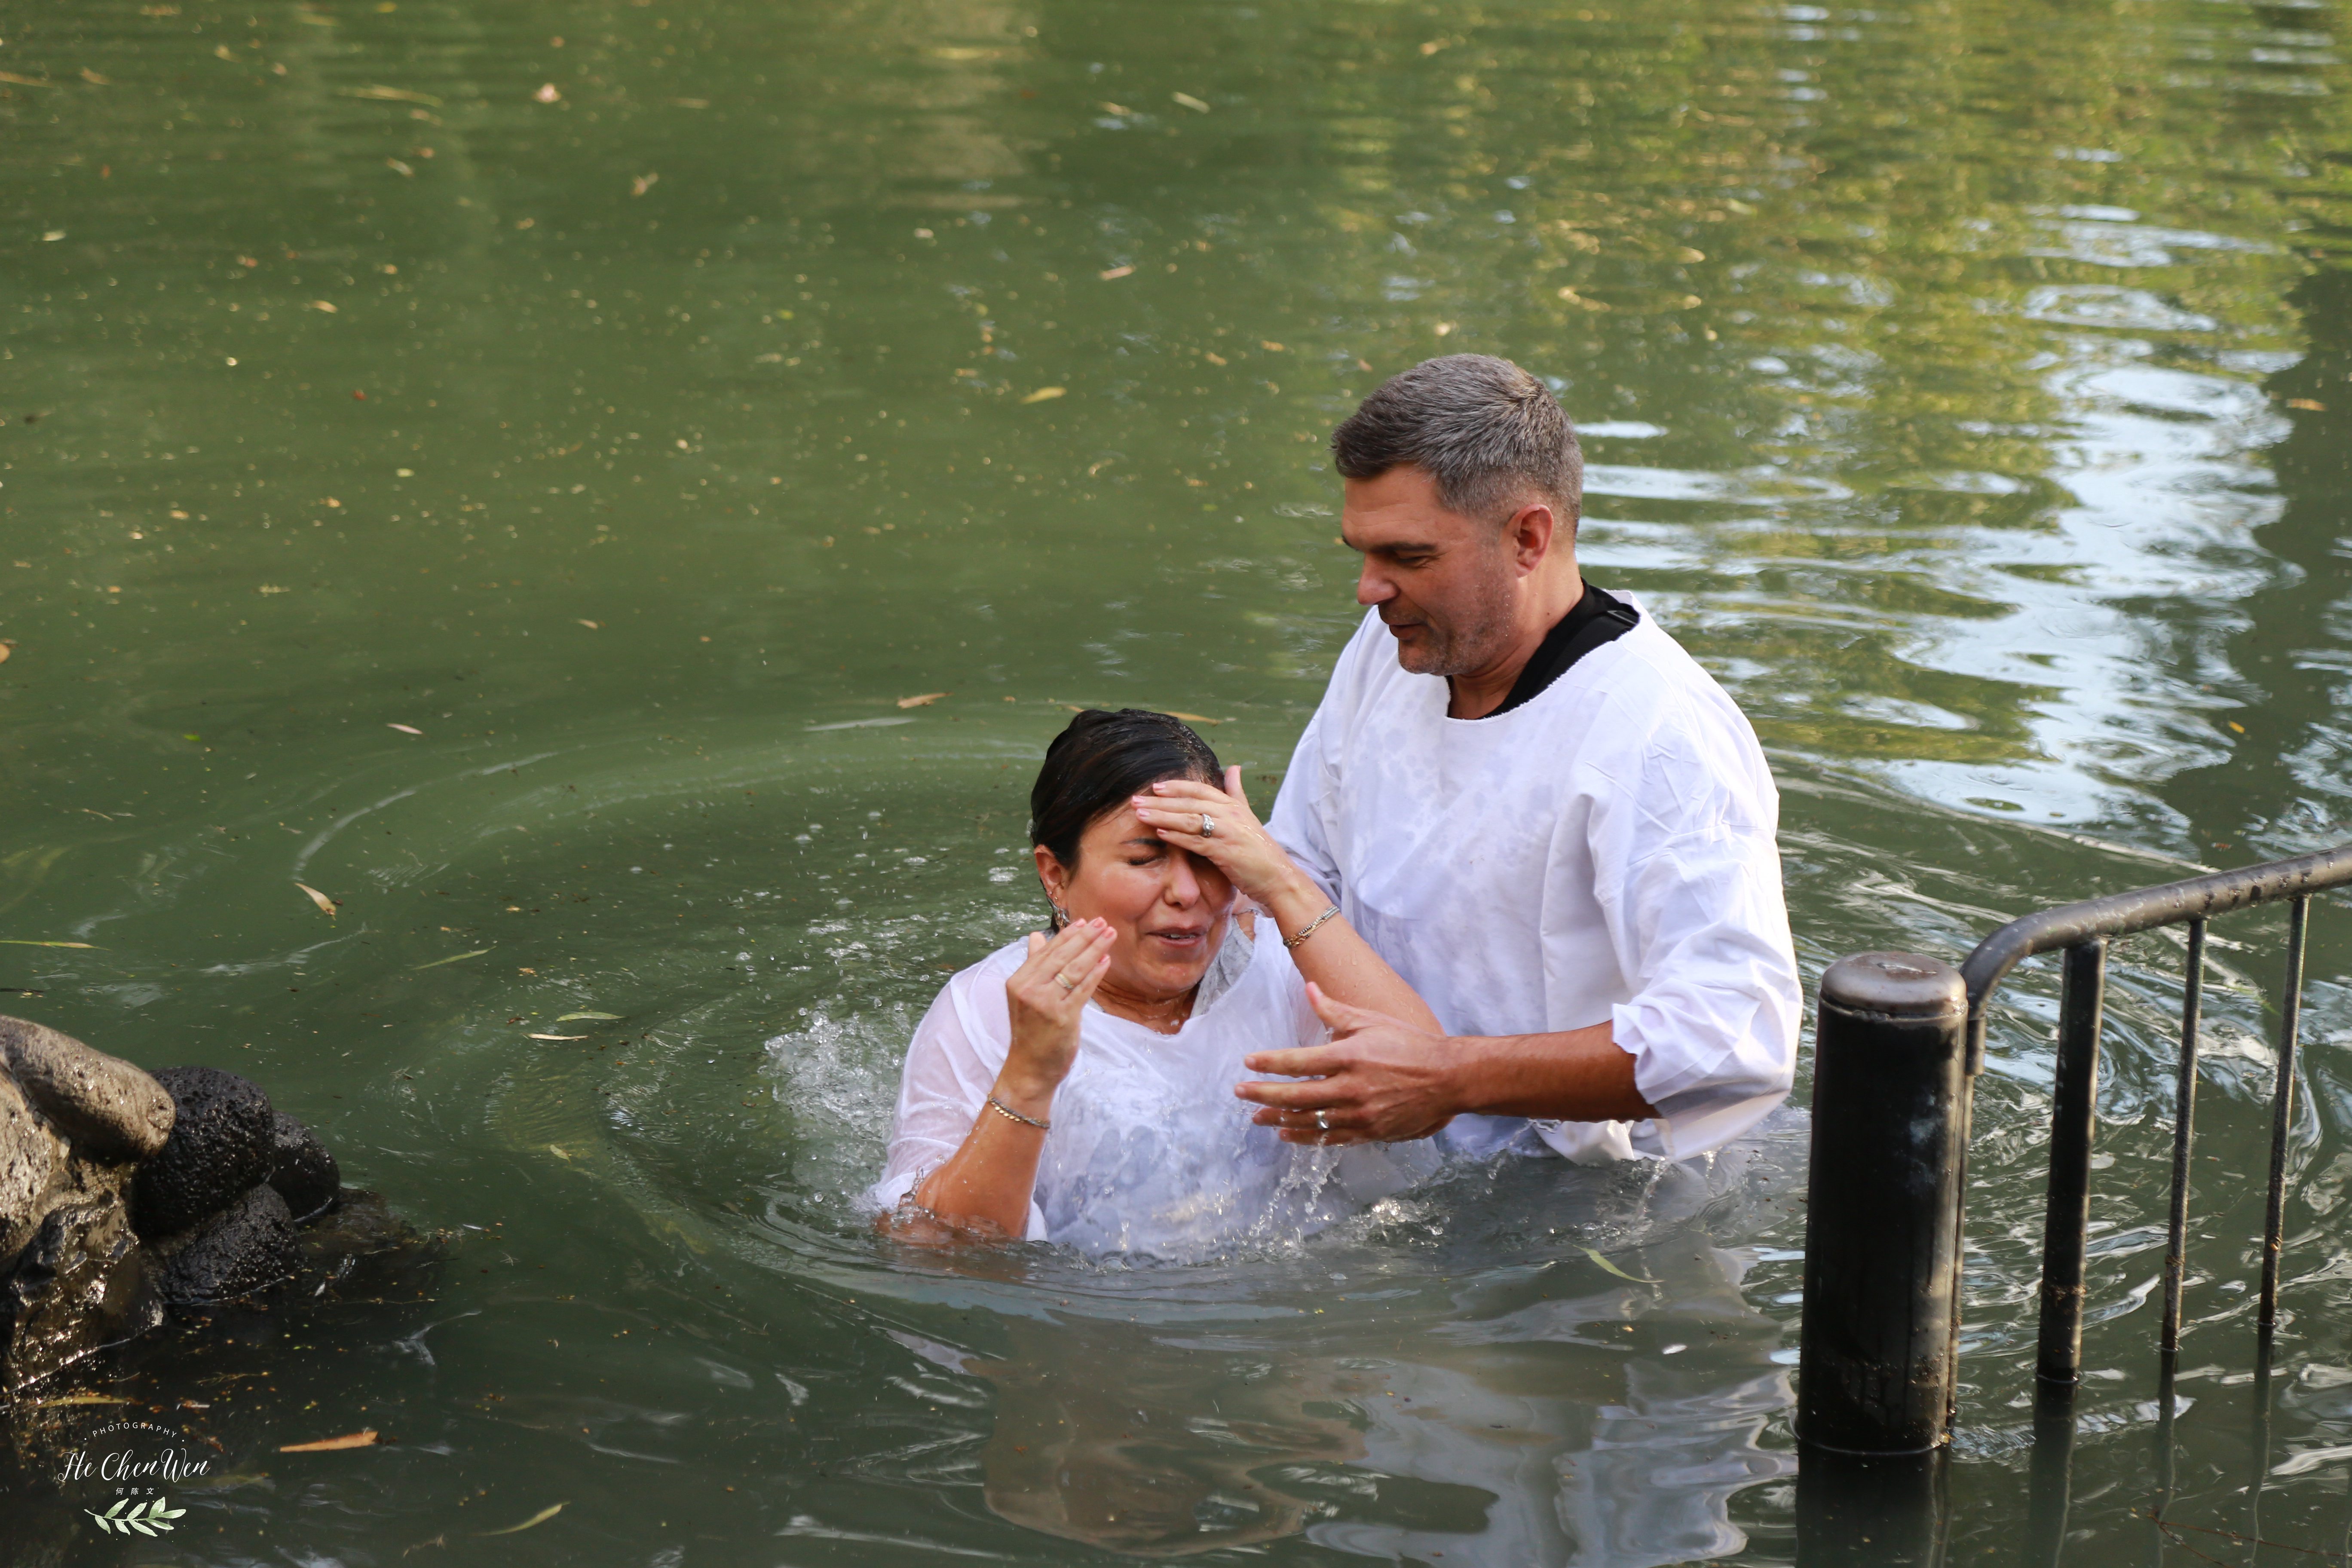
(1312, 926)
(1004, 1109)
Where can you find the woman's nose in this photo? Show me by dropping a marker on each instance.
(1183, 880)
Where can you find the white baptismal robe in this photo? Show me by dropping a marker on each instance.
(1151, 1151)
(1601, 854)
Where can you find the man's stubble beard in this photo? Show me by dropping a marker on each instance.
(1470, 637)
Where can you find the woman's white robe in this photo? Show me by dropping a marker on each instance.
(1602, 853)
(1151, 1151)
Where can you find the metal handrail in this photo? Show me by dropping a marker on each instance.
(1899, 1040)
(2142, 909)
(2083, 932)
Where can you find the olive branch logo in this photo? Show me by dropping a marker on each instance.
(127, 1516)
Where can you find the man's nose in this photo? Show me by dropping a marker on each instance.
(1372, 587)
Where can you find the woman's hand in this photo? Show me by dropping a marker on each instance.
(1046, 995)
(1236, 843)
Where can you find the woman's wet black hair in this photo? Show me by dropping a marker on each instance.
(1102, 760)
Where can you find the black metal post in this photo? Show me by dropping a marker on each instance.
(2184, 1119)
(2299, 912)
(1882, 1232)
(2065, 1223)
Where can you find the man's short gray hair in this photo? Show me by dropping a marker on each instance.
(1492, 435)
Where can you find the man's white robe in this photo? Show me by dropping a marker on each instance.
(1601, 854)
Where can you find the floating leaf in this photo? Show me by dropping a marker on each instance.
(326, 905)
(1188, 101)
(365, 1438)
(451, 959)
(5, 651)
(391, 95)
(1110, 272)
(326, 305)
(593, 625)
(95, 79)
(1046, 394)
(23, 81)
(541, 1517)
(20, 941)
(597, 1018)
(641, 184)
(406, 729)
(1612, 1269)
(923, 700)
(547, 93)
(558, 1036)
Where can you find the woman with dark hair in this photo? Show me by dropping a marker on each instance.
(1076, 1087)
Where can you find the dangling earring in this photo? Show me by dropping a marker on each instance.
(1061, 915)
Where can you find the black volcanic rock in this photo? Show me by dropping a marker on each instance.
(221, 1144)
(245, 1246)
(301, 1169)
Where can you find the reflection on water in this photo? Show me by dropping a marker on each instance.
(1455, 1393)
(639, 400)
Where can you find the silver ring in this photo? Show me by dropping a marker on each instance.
(1208, 825)
(1323, 1119)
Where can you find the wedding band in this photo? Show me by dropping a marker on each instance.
(1208, 825)
(1065, 982)
(1323, 1119)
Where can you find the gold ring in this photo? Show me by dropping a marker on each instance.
(1065, 982)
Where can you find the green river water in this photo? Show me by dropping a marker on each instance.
(505, 466)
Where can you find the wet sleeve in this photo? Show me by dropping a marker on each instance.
(943, 1088)
(1300, 820)
(1689, 878)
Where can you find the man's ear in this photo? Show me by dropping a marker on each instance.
(1531, 533)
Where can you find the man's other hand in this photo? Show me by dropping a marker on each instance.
(1380, 1080)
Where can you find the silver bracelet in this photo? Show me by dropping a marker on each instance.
(1004, 1109)
(1312, 926)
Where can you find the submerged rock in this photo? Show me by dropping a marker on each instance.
(246, 1247)
(220, 1145)
(301, 1170)
(122, 1193)
(80, 1284)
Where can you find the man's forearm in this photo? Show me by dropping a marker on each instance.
(1575, 1075)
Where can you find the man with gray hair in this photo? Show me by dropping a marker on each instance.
(1537, 808)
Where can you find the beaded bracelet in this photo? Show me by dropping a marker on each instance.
(1006, 1110)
